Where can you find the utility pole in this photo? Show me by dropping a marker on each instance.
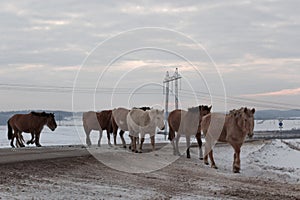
(167, 81)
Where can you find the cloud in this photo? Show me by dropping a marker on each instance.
(284, 92)
(27, 67)
(67, 68)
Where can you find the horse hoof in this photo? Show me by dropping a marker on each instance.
(200, 158)
(236, 170)
(214, 166)
(38, 145)
(188, 156)
(136, 151)
(206, 163)
(129, 147)
(124, 147)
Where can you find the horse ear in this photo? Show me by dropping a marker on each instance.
(209, 108)
(245, 109)
(253, 110)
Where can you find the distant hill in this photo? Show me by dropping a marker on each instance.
(275, 114)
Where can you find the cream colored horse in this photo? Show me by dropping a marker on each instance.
(144, 122)
(187, 123)
(119, 120)
(236, 126)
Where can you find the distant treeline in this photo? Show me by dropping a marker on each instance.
(59, 115)
(63, 115)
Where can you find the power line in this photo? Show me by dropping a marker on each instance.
(149, 91)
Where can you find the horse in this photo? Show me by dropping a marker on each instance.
(119, 120)
(144, 122)
(33, 123)
(187, 123)
(237, 125)
(97, 121)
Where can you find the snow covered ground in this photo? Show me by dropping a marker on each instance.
(279, 157)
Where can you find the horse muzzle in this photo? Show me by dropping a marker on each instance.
(250, 135)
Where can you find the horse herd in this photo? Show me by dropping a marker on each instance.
(231, 128)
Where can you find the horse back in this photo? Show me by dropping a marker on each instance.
(25, 122)
(139, 117)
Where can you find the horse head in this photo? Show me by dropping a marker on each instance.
(204, 110)
(51, 123)
(245, 120)
(158, 117)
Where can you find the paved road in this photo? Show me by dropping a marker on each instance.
(9, 155)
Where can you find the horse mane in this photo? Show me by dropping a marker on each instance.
(42, 114)
(194, 109)
(199, 108)
(144, 108)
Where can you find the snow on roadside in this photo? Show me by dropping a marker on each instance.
(276, 160)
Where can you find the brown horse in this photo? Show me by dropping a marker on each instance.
(29, 123)
(98, 121)
(187, 123)
(236, 126)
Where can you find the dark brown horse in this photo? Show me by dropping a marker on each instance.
(97, 121)
(187, 123)
(29, 123)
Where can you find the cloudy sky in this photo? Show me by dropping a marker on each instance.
(101, 54)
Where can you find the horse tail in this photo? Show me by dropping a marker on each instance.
(171, 134)
(9, 133)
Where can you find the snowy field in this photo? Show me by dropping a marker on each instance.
(68, 134)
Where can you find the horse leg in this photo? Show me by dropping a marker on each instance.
(87, 134)
(141, 144)
(188, 144)
(115, 137)
(236, 159)
(134, 144)
(211, 157)
(153, 142)
(19, 139)
(174, 148)
(32, 139)
(172, 139)
(108, 138)
(199, 141)
(131, 141)
(121, 133)
(12, 140)
(176, 142)
(206, 150)
(37, 139)
(100, 136)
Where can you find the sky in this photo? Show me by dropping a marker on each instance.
(93, 55)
